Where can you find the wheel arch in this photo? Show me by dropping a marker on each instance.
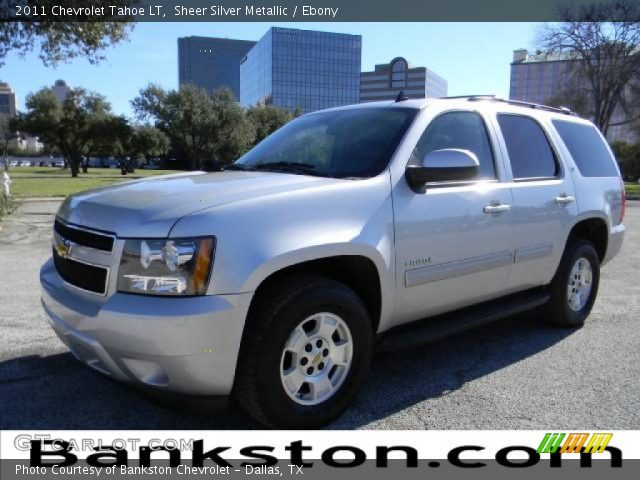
(358, 272)
(595, 229)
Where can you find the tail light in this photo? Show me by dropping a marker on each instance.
(624, 201)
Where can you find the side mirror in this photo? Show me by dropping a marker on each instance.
(446, 165)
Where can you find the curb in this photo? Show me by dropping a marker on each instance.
(633, 197)
(40, 199)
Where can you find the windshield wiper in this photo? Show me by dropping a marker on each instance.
(238, 166)
(297, 167)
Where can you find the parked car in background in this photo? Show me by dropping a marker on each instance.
(365, 228)
(151, 165)
(13, 163)
(25, 163)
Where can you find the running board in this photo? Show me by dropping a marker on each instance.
(421, 332)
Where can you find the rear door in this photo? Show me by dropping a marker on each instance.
(543, 199)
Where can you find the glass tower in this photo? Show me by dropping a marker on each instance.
(302, 69)
(211, 63)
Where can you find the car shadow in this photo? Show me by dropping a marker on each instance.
(57, 392)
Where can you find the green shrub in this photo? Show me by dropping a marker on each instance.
(628, 157)
(7, 204)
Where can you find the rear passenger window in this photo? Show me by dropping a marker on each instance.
(464, 130)
(529, 151)
(587, 149)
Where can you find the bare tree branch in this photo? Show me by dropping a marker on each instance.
(602, 41)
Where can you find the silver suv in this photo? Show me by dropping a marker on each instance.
(348, 231)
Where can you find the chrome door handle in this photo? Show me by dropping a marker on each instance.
(564, 199)
(496, 207)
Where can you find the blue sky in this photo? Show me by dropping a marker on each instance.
(473, 57)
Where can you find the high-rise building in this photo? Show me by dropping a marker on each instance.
(60, 89)
(7, 100)
(302, 69)
(389, 79)
(211, 63)
(541, 78)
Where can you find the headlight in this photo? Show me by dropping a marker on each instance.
(176, 266)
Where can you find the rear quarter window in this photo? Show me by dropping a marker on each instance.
(588, 150)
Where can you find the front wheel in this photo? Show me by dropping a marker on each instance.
(306, 351)
(574, 287)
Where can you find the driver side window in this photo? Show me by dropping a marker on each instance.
(463, 130)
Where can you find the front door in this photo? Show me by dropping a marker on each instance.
(454, 239)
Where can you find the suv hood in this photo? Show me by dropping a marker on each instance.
(150, 207)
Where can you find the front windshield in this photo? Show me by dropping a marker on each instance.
(342, 144)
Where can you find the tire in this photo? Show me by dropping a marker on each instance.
(288, 339)
(567, 309)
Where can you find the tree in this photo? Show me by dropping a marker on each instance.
(8, 132)
(70, 126)
(64, 38)
(572, 98)
(185, 115)
(204, 129)
(127, 142)
(603, 42)
(149, 142)
(232, 132)
(140, 141)
(628, 156)
(267, 119)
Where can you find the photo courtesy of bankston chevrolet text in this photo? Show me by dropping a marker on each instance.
(374, 224)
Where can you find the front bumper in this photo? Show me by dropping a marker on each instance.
(185, 345)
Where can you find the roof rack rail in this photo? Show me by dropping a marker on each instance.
(519, 103)
(470, 97)
(537, 106)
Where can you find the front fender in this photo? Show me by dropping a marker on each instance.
(258, 237)
(307, 254)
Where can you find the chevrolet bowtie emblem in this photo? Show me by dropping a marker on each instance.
(62, 245)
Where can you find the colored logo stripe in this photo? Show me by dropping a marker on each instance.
(574, 442)
(551, 442)
(598, 442)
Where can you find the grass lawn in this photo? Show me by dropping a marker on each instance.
(93, 172)
(632, 188)
(55, 182)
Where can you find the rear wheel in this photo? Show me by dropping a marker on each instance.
(575, 286)
(306, 351)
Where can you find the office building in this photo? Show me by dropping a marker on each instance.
(389, 79)
(302, 69)
(541, 78)
(7, 100)
(211, 63)
(61, 90)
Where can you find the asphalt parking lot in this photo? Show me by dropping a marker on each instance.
(514, 374)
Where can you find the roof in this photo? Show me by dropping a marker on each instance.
(488, 101)
(549, 57)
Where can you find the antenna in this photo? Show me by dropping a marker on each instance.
(401, 97)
